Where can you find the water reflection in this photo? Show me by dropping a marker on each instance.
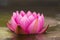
(23, 37)
(28, 37)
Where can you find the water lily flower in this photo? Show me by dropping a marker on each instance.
(27, 23)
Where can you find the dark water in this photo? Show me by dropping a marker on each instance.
(29, 37)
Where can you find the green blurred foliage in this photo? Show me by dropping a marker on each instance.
(4, 17)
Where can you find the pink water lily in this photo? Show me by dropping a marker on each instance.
(27, 23)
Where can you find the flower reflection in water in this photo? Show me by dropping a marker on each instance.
(29, 37)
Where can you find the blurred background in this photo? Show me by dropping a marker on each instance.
(50, 8)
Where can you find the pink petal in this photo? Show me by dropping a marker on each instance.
(14, 15)
(34, 14)
(28, 13)
(17, 12)
(33, 28)
(10, 27)
(41, 22)
(31, 18)
(12, 24)
(24, 22)
(42, 16)
(38, 14)
(44, 29)
(18, 18)
(22, 13)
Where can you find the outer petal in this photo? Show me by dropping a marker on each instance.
(41, 22)
(24, 22)
(12, 24)
(44, 29)
(31, 18)
(38, 14)
(14, 15)
(10, 27)
(17, 12)
(34, 14)
(22, 13)
(29, 13)
(18, 18)
(33, 28)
